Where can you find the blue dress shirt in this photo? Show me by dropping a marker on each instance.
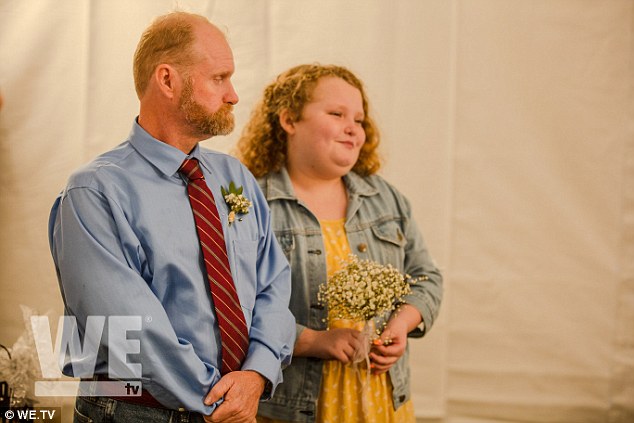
(124, 243)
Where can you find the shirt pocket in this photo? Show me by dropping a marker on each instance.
(245, 254)
(390, 242)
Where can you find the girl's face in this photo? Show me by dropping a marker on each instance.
(326, 141)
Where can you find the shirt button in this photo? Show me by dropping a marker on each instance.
(362, 248)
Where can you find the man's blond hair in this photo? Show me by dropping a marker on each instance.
(169, 39)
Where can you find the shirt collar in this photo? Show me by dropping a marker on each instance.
(280, 187)
(163, 156)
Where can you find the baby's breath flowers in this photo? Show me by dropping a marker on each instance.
(363, 289)
(238, 203)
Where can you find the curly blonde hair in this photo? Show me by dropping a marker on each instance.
(262, 146)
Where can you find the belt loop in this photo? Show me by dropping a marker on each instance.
(111, 406)
(89, 386)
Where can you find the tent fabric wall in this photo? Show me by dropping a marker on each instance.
(508, 123)
(542, 115)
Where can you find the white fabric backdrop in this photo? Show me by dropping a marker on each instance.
(508, 123)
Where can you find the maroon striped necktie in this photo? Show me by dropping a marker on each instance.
(233, 327)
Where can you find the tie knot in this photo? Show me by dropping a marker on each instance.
(191, 170)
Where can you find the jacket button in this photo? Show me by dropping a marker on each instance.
(362, 248)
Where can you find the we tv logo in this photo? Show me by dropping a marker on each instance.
(82, 357)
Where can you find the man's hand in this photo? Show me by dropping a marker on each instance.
(241, 391)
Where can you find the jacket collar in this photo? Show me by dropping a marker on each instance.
(279, 186)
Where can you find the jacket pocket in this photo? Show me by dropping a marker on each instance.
(287, 243)
(390, 232)
(389, 244)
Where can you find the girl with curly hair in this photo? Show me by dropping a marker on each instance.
(313, 147)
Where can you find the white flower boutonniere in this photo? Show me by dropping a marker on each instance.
(238, 203)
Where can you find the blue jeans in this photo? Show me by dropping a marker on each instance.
(103, 409)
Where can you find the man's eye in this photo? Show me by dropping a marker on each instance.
(336, 114)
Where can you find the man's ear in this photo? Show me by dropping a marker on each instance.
(167, 80)
(286, 122)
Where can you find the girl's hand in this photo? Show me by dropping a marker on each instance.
(393, 341)
(333, 344)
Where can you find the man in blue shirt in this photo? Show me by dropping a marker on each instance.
(125, 243)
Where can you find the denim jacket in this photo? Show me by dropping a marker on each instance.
(379, 227)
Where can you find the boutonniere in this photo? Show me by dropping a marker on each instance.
(238, 203)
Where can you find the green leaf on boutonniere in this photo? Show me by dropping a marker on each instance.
(237, 203)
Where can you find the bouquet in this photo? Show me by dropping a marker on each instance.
(362, 290)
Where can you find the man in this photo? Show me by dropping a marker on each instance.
(129, 238)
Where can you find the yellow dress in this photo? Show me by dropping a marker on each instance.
(348, 395)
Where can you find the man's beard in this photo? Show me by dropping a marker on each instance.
(203, 123)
